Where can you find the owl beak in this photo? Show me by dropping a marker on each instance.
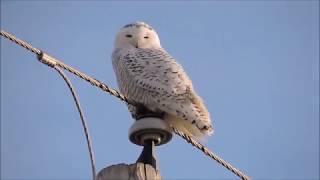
(137, 44)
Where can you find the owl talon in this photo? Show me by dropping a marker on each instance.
(143, 112)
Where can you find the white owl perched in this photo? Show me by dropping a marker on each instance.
(148, 75)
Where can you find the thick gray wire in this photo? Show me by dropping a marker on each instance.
(115, 93)
(207, 152)
(20, 42)
(84, 124)
(83, 121)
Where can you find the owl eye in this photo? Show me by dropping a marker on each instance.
(129, 35)
(146, 37)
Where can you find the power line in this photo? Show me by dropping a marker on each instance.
(72, 90)
(52, 62)
(83, 121)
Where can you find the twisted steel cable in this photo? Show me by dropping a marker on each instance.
(20, 42)
(94, 82)
(48, 60)
(83, 121)
(72, 90)
(207, 152)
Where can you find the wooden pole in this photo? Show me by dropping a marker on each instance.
(136, 171)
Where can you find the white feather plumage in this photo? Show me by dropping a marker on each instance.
(147, 74)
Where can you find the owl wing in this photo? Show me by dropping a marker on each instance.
(153, 78)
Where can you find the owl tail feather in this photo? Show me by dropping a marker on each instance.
(184, 126)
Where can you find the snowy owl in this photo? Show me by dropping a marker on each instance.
(149, 76)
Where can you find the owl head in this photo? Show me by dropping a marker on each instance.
(137, 35)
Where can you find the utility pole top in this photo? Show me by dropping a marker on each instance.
(137, 171)
(147, 131)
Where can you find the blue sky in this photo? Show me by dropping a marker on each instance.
(255, 63)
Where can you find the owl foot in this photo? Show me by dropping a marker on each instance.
(143, 112)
